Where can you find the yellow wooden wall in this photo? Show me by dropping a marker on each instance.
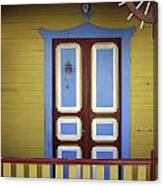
(23, 74)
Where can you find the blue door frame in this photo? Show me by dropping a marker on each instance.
(88, 30)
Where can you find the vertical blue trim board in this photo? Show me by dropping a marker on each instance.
(125, 97)
(48, 100)
(125, 109)
(88, 30)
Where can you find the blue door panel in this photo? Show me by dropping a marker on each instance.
(68, 82)
(68, 128)
(104, 129)
(104, 70)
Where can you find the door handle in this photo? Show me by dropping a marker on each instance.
(83, 131)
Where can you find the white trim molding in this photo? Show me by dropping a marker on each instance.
(69, 148)
(58, 92)
(106, 45)
(104, 149)
(108, 121)
(67, 120)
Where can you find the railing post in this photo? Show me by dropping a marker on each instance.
(153, 166)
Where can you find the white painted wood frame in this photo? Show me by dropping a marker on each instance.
(95, 47)
(68, 137)
(58, 92)
(100, 121)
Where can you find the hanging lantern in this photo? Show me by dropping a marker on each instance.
(68, 71)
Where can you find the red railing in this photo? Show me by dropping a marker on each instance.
(152, 161)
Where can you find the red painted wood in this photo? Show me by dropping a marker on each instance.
(146, 161)
(86, 115)
(152, 161)
(153, 166)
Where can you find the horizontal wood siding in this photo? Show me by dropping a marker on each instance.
(23, 74)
